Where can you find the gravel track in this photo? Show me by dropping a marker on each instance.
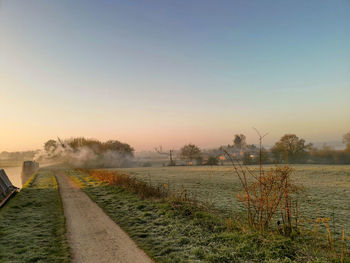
(92, 235)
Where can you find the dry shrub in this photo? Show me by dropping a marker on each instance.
(267, 196)
(182, 201)
(129, 183)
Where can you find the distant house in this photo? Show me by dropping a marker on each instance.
(238, 153)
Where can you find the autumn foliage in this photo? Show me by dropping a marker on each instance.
(142, 189)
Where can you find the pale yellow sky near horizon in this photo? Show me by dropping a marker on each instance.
(30, 119)
(27, 124)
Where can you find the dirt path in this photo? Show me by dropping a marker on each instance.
(92, 235)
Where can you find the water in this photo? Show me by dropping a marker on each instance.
(14, 174)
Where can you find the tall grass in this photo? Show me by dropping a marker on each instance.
(338, 246)
(142, 189)
(146, 190)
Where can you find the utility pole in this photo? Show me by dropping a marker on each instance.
(170, 154)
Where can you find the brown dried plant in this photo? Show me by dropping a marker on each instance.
(337, 244)
(267, 195)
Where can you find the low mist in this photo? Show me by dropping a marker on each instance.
(87, 153)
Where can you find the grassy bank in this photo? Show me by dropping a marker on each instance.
(327, 188)
(32, 224)
(178, 233)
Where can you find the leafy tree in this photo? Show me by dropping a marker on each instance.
(190, 152)
(290, 149)
(50, 146)
(239, 141)
(85, 152)
(123, 149)
(116, 146)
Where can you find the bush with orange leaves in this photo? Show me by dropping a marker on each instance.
(267, 196)
(129, 183)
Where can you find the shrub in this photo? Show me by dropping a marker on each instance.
(265, 194)
(125, 181)
(212, 160)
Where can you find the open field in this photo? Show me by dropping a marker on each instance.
(171, 231)
(327, 192)
(32, 224)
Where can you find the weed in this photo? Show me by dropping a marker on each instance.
(125, 181)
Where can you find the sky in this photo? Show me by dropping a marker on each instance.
(169, 73)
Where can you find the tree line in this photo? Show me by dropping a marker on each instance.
(290, 149)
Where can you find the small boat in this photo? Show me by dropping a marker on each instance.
(7, 189)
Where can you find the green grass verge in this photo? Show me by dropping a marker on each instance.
(32, 224)
(170, 234)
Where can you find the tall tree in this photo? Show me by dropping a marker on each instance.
(239, 141)
(290, 149)
(190, 152)
(50, 146)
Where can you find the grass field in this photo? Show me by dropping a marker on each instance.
(327, 192)
(32, 224)
(177, 233)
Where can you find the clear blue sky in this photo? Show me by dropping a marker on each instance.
(173, 72)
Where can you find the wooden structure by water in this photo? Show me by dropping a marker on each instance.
(7, 189)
